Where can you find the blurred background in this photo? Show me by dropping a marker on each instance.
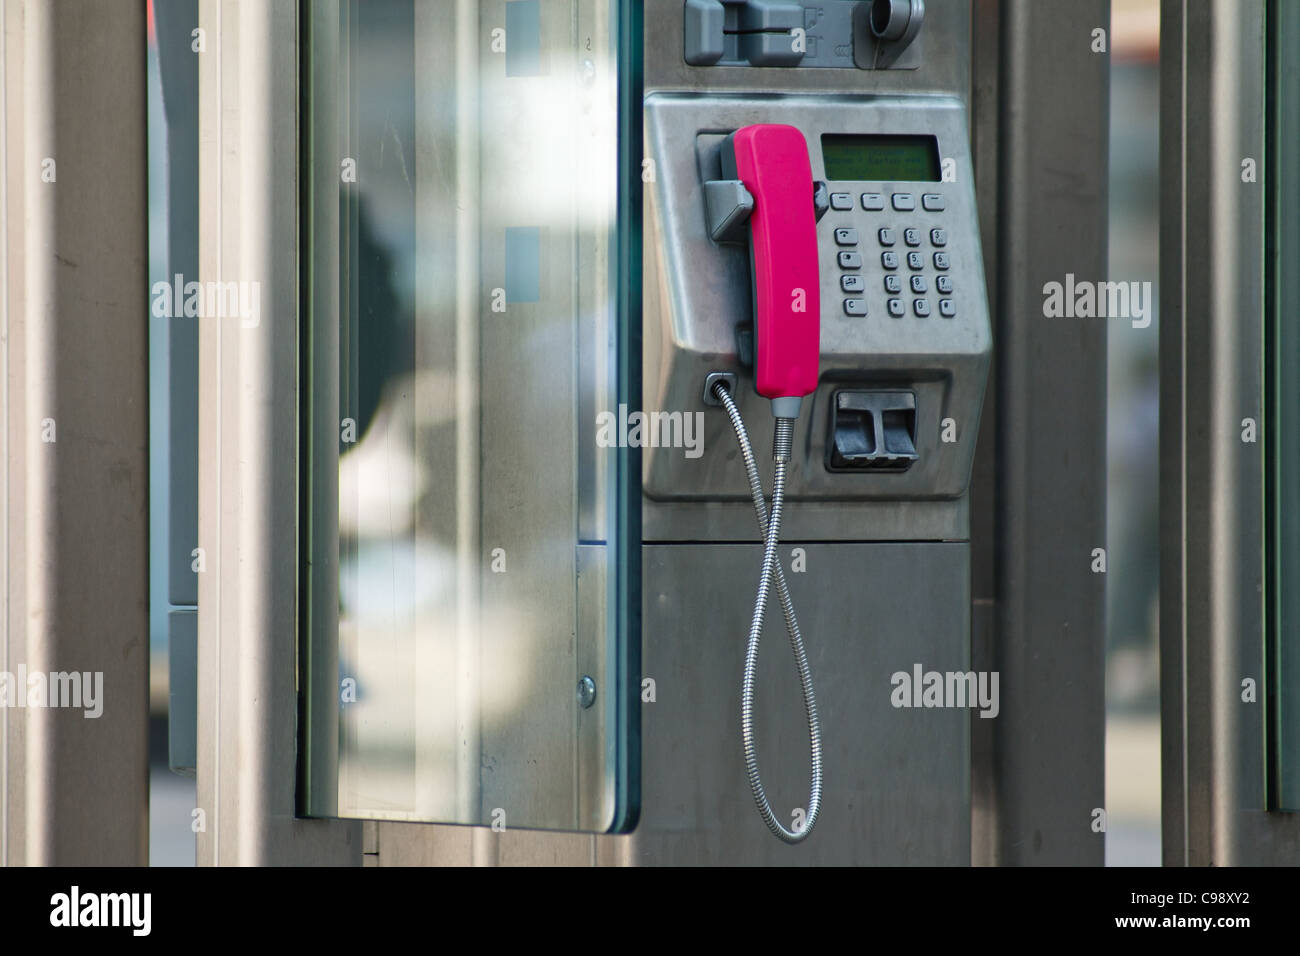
(1133, 552)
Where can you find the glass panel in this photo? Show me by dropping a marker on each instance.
(1282, 344)
(465, 636)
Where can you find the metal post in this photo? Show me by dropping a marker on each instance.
(248, 448)
(1041, 776)
(1212, 265)
(75, 433)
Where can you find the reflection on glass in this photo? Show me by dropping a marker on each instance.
(475, 150)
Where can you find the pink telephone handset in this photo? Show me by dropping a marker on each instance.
(772, 161)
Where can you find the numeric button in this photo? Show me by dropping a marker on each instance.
(943, 284)
(886, 236)
(941, 260)
(918, 284)
(893, 284)
(915, 260)
(947, 308)
(912, 237)
(921, 307)
(939, 237)
(896, 308)
(888, 259)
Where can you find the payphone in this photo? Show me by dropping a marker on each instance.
(814, 248)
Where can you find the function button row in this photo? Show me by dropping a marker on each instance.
(841, 201)
(903, 202)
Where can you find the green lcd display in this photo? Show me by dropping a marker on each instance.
(894, 159)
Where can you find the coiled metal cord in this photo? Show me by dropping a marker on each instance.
(770, 528)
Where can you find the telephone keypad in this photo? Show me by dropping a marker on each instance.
(914, 235)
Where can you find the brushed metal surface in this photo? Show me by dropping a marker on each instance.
(697, 291)
(1212, 252)
(944, 64)
(897, 779)
(1048, 623)
(248, 450)
(74, 281)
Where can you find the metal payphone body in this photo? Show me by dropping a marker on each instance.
(876, 534)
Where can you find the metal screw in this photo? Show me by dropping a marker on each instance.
(586, 692)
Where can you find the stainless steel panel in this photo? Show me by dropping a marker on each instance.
(897, 779)
(942, 520)
(1212, 569)
(1048, 624)
(698, 291)
(944, 67)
